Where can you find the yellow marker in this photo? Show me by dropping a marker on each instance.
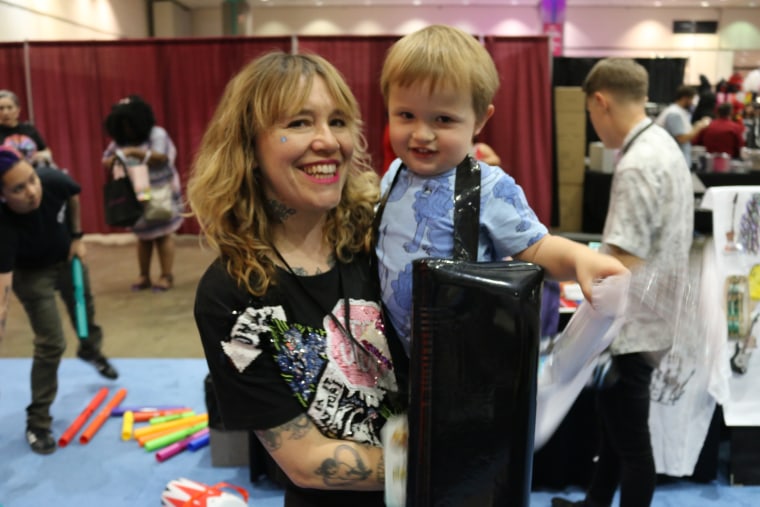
(127, 424)
(179, 423)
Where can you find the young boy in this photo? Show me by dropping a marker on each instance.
(438, 84)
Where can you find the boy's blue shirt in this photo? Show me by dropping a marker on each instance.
(418, 222)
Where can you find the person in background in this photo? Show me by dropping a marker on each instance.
(649, 223)
(388, 155)
(22, 136)
(40, 233)
(751, 120)
(438, 84)
(289, 313)
(482, 151)
(676, 119)
(136, 136)
(723, 135)
(705, 107)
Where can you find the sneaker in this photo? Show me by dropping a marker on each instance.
(40, 440)
(100, 363)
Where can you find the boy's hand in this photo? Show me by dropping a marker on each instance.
(594, 266)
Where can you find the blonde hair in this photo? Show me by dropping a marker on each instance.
(442, 56)
(622, 77)
(226, 196)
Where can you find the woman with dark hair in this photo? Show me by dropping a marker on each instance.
(138, 140)
(705, 107)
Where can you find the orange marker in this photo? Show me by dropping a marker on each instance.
(179, 423)
(82, 418)
(95, 425)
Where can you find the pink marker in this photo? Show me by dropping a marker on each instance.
(177, 447)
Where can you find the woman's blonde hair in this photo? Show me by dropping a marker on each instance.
(441, 56)
(226, 196)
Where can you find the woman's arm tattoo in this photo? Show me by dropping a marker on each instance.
(294, 429)
(345, 468)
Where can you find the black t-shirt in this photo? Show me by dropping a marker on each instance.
(39, 238)
(281, 355)
(24, 137)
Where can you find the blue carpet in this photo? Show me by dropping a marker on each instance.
(109, 471)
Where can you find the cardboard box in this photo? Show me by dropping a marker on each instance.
(600, 158)
(570, 207)
(570, 129)
(569, 98)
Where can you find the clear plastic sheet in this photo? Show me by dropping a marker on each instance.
(648, 297)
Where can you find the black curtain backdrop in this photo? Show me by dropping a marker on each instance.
(665, 74)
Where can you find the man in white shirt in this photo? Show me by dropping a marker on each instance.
(649, 225)
(676, 119)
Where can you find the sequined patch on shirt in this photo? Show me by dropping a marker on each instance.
(300, 355)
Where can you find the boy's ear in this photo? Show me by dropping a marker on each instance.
(482, 123)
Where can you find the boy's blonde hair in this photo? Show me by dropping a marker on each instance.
(625, 79)
(442, 56)
(224, 191)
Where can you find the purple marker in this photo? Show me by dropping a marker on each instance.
(119, 411)
(178, 447)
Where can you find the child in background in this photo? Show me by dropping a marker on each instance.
(438, 84)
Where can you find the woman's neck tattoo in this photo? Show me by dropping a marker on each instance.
(279, 210)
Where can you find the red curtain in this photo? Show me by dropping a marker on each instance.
(12, 72)
(74, 84)
(360, 60)
(520, 130)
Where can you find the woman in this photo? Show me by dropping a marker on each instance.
(288, 314)
(136, 137)
(21, 136)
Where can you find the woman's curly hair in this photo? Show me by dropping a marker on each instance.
(226, 196)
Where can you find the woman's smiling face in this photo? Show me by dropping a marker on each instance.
(304, 157)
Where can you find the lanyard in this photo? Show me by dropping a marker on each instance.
(466, 209)
(344, 329)
(636, 136)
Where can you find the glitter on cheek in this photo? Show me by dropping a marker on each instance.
(283, 139)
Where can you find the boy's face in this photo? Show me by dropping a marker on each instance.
(431, 133)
